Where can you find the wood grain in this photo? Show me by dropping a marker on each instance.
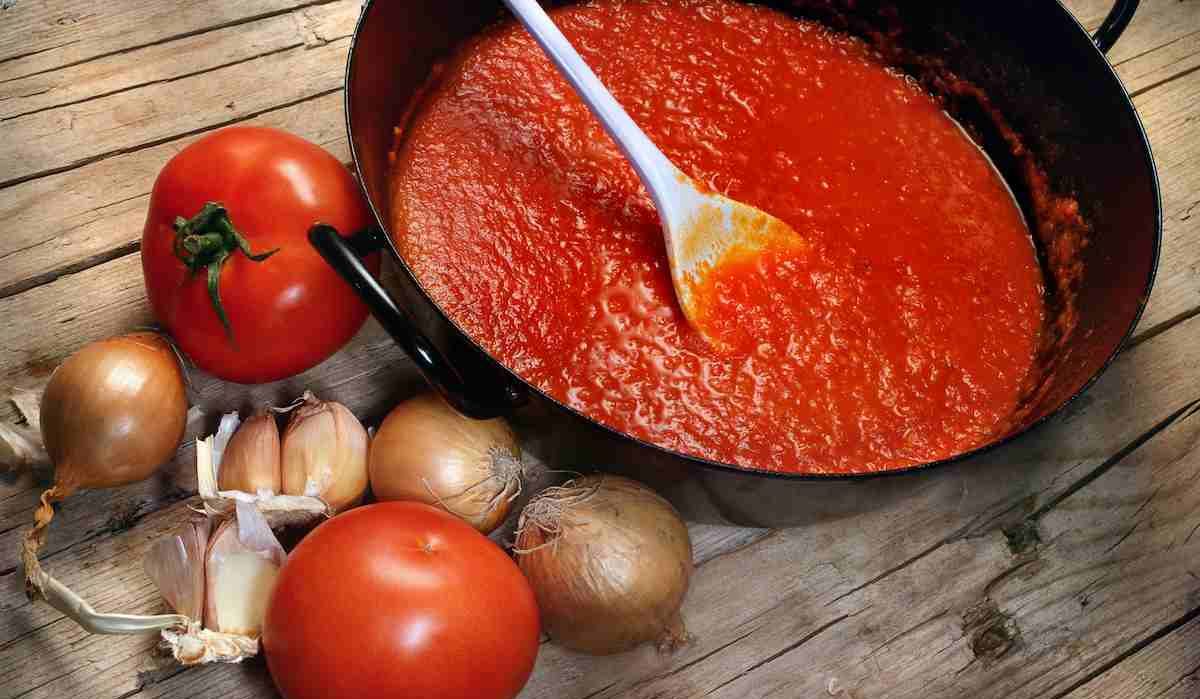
(1175, 138)
(1168, 668)
(42, 35)
(40, 143)
(191, 55)
(1159, 43)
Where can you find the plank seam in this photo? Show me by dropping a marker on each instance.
(786, 649)
(157, 42)
(1159, 47)
(1179, 415)
(160, 81)
(1121, 657)
(142, 685)
(1156, 330)
(30, 54)
(69, 269)
(1182, 74)
(166, 139)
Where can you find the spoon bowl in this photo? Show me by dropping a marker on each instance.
(701, 228)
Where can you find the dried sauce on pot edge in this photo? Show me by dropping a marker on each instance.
(904, 331)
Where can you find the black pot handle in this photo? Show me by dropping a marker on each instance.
(490, 395)
(1114, 24)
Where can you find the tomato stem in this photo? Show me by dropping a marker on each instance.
(205, 242)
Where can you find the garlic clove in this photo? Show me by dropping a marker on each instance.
(243, 562)
(324, 454)
(176, 565)
(279, 510)
(250, 461)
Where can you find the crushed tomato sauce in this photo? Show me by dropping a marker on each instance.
(902, 332)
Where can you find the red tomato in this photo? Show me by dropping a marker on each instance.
(400, 599)
(285, 313)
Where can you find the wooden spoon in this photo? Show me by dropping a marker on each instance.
(701, 228)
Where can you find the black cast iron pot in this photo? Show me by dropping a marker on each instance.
(1038, 68)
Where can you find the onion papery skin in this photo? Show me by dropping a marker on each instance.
(426, 452)
(609, 561)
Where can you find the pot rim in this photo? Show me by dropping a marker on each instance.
(1105, 70)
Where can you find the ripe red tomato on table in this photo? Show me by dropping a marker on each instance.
(226, 259)
(400, 599)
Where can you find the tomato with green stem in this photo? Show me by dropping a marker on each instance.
(228, 267)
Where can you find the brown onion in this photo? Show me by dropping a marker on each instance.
(609, 561)
(427, 452)
(111, 414)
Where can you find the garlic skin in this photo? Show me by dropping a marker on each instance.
(21, 445)
(241, 567)
(195, 645)
(176, 565)
(324, 454)
(250, 461)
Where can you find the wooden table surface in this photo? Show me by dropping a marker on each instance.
(1065, 566)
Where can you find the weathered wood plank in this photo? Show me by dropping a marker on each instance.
(65, 137)
(1163, 64)
(42, 35)
(75, 219)
(1175, 138)
(1168, 668)
(1158, 44)
(199, 53)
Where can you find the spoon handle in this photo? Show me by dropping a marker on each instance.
(658, 174)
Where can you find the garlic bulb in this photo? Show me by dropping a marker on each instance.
(225, 576)
(240, 568)
(250, 462)
(324, 454)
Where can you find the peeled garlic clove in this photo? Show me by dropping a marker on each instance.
(243, 561)
(250, 462)
(176, 565)
(324, 454)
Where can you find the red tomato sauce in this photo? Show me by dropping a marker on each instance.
(901, 333)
